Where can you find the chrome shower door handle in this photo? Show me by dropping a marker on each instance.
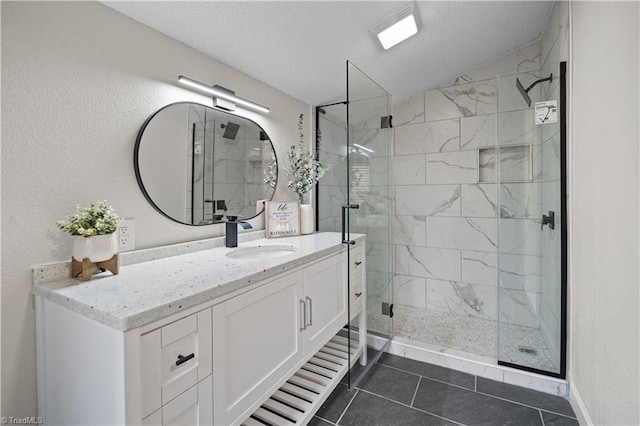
(344, 222)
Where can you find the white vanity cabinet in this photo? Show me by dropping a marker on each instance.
(244, 349)
(264, 335)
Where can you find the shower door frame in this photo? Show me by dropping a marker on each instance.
(563, 239)
(356, 373)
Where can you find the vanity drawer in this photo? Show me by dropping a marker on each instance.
(356, 293)
(193, 407)
(174, 358)
(356, 260)
(356, 278)
(179, 366)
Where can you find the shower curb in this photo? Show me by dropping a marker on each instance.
(409, 349)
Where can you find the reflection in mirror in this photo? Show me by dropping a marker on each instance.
(196, 164)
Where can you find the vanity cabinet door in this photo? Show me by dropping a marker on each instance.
(325, 297)
(257, 341)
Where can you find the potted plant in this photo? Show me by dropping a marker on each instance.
(93, 229)
(304, 172)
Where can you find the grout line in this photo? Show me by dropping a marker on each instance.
(431, 378)
(558, 414)
(416, 391)
(412, 408)
(541, 418)
(475, 390)
(523, 404)
(348, 405)
(323, 419)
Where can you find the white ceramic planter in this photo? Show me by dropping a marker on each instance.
(306, 219)
(97, 248)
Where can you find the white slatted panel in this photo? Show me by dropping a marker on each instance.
(331, 358)
(282, 409)
(299, 392)
(252, 422)
(326, 364)
(271, 418)
(334, 352)
(307, 389)
(294, 401)
(319, 370)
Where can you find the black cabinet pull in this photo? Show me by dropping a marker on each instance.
(182, 359)
(358, 294)
(358, 263)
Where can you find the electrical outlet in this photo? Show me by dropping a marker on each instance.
(127, 235)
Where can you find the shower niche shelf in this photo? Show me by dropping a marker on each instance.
(516, 164)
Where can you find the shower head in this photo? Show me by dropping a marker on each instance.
(230, 130)
(525, 92)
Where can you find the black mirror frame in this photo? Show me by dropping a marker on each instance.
(136, 164)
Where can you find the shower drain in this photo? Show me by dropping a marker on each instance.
(527, 350)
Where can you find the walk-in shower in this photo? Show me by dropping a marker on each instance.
(465, 215)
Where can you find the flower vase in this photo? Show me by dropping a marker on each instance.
(306, 216)
(97, 248)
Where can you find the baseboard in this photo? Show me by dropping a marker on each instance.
(579, 407)
(479, 367)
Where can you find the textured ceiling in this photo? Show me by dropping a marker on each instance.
(301, 47)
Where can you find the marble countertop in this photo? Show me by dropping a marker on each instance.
(148, 291)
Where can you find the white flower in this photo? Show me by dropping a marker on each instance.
(96, 219)
(304, 170)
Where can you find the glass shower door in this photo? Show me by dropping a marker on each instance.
(354, 137)
(531, 179)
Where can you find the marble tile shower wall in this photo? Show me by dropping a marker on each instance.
(445, 229)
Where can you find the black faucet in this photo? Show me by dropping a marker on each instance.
(231, 234)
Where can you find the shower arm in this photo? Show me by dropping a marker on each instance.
(542, 80)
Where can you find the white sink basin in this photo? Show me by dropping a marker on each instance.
(262, 252)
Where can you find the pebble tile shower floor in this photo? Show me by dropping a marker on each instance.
(401, 391)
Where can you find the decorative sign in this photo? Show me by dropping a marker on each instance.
(282, 219)
(546, 112)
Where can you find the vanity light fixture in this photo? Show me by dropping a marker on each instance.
(223, 98)
(398, 26)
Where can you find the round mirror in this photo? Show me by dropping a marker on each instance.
(196, 164)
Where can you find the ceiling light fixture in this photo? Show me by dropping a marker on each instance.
(398, 26)
(223, 98)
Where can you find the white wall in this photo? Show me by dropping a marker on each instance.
(604, 287)
(78, 81)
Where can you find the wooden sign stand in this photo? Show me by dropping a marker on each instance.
(87, 268)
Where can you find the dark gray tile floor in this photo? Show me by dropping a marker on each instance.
(400, 391)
